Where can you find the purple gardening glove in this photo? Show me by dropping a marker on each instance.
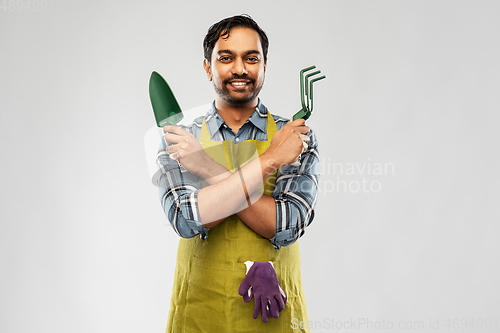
(261, 282)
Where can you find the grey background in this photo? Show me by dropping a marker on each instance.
(84, 245)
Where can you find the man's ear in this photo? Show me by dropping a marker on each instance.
(208, 69)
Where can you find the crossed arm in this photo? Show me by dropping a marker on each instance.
(225, 190)
(226, 187)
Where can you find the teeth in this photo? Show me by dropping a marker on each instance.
(238, 83)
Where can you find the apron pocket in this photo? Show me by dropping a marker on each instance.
(213, 303)
(210, 294)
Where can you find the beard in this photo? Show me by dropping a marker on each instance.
(238, 98)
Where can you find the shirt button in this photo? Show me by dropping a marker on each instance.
(237, 139)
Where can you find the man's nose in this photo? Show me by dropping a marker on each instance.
(239, 67)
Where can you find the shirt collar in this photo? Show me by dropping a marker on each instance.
(258, 118)
(214, 120)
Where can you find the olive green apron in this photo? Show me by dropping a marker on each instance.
(208, 272)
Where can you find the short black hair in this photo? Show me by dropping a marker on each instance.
(223, 28)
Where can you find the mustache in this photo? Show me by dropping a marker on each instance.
(239, 77)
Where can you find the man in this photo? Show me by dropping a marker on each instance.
(240, 194)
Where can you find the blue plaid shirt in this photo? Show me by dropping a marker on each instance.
(295, 192)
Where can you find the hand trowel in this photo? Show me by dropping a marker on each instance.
(165, 107)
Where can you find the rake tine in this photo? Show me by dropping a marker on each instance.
(311, 90)
(306, 84)
(302, 86)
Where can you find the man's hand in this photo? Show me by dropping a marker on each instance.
(184, 147)
(288, 143)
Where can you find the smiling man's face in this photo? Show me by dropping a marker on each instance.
(237, 67)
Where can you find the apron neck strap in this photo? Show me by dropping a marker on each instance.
(271, 127)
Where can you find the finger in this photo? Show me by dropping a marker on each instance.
(269, 314)
(244, 286)
(297, 122)
(173, 148)
(248, 295)
(175, 152)
(273, 308)
(257, 307)
(305, 138)
(283, 294)
(281, 302)
(263, 308)
(174, 138)
(174, 129)
(303, 129)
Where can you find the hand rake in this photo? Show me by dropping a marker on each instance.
(306, 93)
(306, 97)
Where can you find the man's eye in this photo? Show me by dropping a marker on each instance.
(253, 59)
(224, 58)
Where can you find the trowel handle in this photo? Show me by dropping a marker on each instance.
(301, 114)
(183, 169)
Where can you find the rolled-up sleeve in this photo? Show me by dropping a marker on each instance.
(178, 193)
(295, 195)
